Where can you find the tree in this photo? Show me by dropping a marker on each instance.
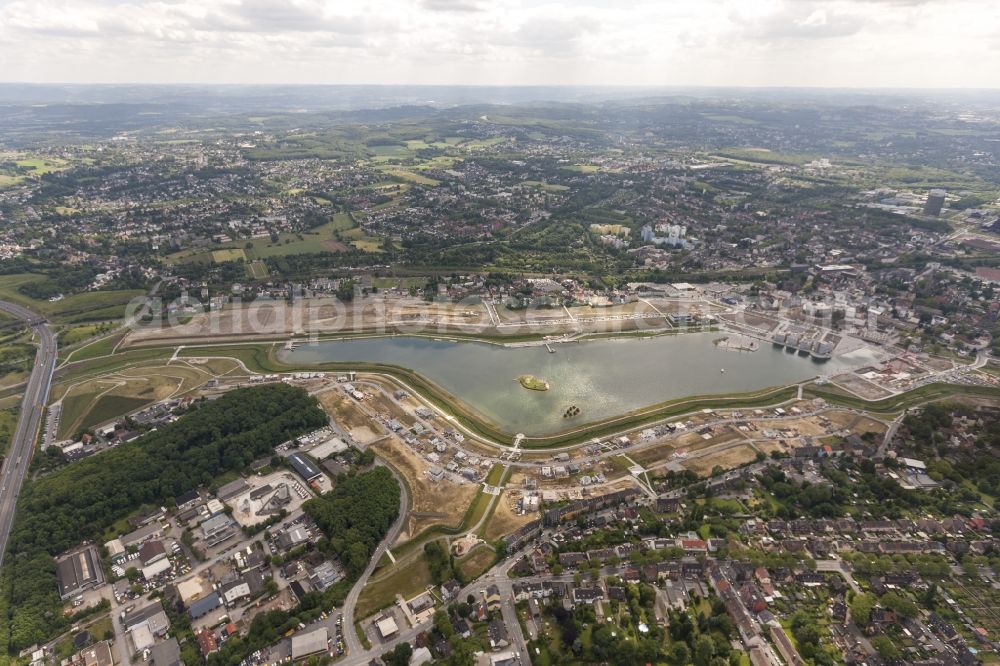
(900, 604)
(442, 623)
(680, 654)
(399, 655)
(704, 650)
(885, 648)
(930, 597)
(861, 608)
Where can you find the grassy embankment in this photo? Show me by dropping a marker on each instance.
(261, 359)
(893, 405)
(87, 306)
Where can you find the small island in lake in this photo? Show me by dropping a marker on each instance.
(533, 383)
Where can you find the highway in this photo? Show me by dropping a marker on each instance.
(36, 394)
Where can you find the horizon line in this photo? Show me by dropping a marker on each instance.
(568, 86)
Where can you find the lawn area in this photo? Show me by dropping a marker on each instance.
(318, 239)
(75, 334)
(390, 151)
(40, 165)
(109, 407)
(8, 420)
(407, 580)
(92, 305)
(100, 347)
(74, 409)
(257, 270)
(478, 509)
(583, 168)
(228, 254)
(548, 187)
(85, 306)
(91, 367)
(412, 177)
(476, 563)
(368, 244)
(340, 222)
(399, 283)
(495, 475)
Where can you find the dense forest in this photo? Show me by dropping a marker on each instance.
(355, 516)
(80, 501)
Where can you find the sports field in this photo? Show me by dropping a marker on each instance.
(257, 270)
(228, 254)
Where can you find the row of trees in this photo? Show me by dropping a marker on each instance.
(81, 501)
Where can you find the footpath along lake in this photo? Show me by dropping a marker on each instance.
(602, 377)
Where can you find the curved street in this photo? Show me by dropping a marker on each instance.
(36, 394)
(351, 639)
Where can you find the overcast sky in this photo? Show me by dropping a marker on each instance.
(852, 43)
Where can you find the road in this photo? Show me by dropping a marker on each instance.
(22, 444)
(351, 639)
(837, 567)
(498, 574)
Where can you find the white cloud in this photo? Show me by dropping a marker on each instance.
(649, 42)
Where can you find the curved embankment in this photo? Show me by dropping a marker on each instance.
(897, 403)
(262, 359)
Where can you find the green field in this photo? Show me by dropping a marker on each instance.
(228, 254)
(74, 408)
(37, 166)
(257, 270)
(393, 151)
(408, 581)
(100, 347)
(8, 420)
(548, 187)
(583, 168)
(476, 563)
(323, 238)
(412, 177)
(111, 406)
(368, 244)
(358, 239)
(82, 307)
(93, 366)
(399, 283)
(76, 334)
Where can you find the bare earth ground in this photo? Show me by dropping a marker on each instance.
(857, 423)
(321, 316)
(764, 323)
(390, 313)
(771, 445)
(446, 502)
(505, 520)
(476, 562)
(654, 454)
(727, 459)
(345, 410)
(860, 386)
(381, 404)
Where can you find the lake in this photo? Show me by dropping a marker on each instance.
(602, 377)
